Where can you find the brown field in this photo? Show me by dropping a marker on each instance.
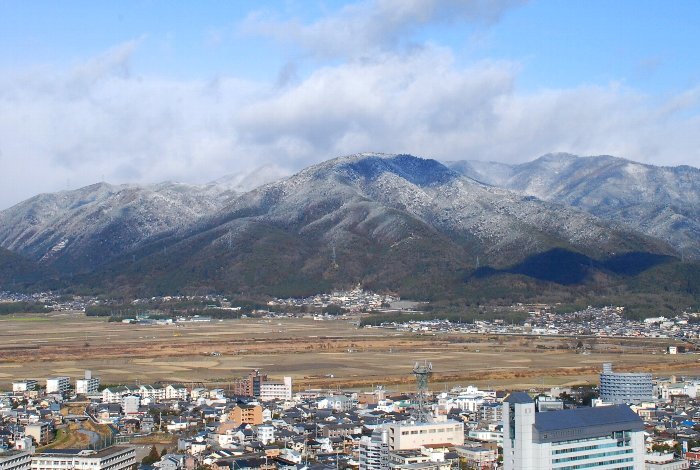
(40, 346)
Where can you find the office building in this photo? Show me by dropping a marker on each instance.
(607, 437)
(413, 435)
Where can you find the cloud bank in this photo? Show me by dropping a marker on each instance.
(100, 120)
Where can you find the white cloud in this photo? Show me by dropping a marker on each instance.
(61, 127)
(371, 26)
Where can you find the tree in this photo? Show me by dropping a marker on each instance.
(152, 457)
(164, 451)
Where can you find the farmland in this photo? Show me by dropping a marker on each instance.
(315, 353)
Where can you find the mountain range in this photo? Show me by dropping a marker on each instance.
(394, 222)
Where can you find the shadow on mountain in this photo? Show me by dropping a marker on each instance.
(566, 267)
(421, 172)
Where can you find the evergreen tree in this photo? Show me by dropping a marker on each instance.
(152, 457)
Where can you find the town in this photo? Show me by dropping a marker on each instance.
(257, 422)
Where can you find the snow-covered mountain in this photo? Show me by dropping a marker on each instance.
(662, 202)
(388, 221)
(83, 228)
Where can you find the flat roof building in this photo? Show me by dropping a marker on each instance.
(413, 435)
(604, 438)
(15, 460)
(110, 458)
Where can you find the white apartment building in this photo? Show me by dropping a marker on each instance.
(15, 460)
(272, 390)
(624, 387)
(374, 450)
(41, 431)
(110, 458)
(130, 404)
(115, 394)
(87, 385)
(58, 385)
(604, 438)
(413, 435)
(151, 392)
(266, 434)
(176, 392)
(26, 385)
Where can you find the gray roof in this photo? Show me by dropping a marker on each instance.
(584, 417)
(519, 397)
(584, 423)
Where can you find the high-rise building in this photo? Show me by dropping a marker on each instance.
(604, 438)
(249, 386)
(374, 450)
(624, 387)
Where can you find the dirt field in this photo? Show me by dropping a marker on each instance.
(34, 346)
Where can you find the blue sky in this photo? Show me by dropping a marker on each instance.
(144, 91)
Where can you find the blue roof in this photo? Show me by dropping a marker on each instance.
(585, 417)
(519, 397)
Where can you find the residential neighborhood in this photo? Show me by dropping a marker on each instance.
(257, 422)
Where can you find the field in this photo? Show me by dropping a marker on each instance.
(316, 353)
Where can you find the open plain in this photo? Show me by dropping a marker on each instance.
(332, 353)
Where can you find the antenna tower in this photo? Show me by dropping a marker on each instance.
(334, 263)
(422, 372)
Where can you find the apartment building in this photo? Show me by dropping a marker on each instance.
(624, 387)
(275, 390)
(41, 432)
(15, 460)
(374, 450)
(246, 414)
(110, 458)
(58, 385)
(88, 385)
(26, 385)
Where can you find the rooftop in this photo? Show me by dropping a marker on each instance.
(586, 417)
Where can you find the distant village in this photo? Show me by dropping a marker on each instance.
(256, 422)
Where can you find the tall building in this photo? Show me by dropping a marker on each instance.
(374, 450)
(249, 386)
(624, 387)
(604, 438)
